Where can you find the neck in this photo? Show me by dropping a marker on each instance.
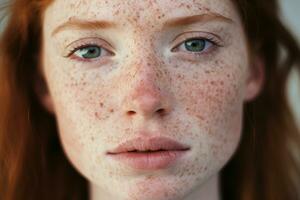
(208, 191)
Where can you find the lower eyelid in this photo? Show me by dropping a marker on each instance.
(98, 60)
(194, 56)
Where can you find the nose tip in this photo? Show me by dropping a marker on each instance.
(146, 99)
(147, 106)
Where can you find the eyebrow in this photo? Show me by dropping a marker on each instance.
(84, 24)
(102, 24)
(180, 21)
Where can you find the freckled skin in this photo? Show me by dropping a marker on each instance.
(99, 104)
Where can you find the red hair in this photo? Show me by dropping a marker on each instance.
(32, 162)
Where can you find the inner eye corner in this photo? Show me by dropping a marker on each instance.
(111, 52)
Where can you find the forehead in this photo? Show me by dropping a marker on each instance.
(135, 11)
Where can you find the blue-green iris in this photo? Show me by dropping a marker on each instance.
(195, 45)
(90, 52)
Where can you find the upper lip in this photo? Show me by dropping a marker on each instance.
(148, 144)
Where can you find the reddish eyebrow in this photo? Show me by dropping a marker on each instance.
(83, 24)
(197, 18)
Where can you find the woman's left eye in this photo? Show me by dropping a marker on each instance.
(196, 45)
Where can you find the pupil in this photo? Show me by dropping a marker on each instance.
(92, 50)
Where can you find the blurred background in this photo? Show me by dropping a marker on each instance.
(291, 16)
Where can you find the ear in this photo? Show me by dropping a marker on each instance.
(255, 79)
(42, 92)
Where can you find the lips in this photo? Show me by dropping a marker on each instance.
(149, 154)
(149, 145)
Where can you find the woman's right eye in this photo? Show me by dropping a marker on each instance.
(89, 52)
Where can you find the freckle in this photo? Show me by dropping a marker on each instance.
(212, 82)
(117, 12)
(219, 91)
(111, 110)
(92, 138)
(101, 104)
(200, 117)
(207, 72)
(180, 76)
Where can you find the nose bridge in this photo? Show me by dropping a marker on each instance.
(146, 95)
(145, 85)
(147, 71)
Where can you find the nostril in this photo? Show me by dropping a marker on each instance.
(131, 112)
(161, 111)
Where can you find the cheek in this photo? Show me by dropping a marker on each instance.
(81, 103)
(214, 102)
(84, 97)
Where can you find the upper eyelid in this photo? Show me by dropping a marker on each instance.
(81, 43)
(196, 34)
(86, 39)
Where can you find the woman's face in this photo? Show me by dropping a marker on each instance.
(122, 70)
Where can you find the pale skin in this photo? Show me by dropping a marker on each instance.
(146, 81)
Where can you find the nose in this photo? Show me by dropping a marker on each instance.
(147, 95)
(146, 100)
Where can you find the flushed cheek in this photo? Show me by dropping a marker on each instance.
(210, 98)
(214, 102)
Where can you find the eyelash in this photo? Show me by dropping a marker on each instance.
(215, 43)
(86, 45)
(73, 50)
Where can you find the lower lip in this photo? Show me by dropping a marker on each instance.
(149, 160)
